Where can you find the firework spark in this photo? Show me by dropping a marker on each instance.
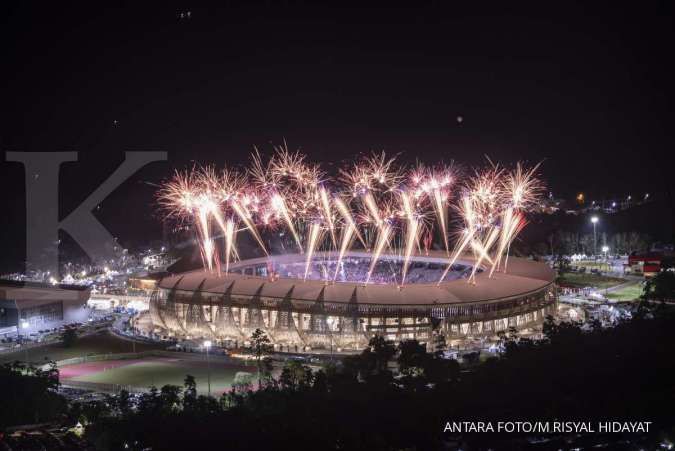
(375, 201)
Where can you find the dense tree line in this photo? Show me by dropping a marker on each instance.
(576, 373)
(563, 242)
(29, 395)
(661, 287)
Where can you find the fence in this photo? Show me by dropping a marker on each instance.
(103, 388)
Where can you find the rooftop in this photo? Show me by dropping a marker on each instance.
(523, 277)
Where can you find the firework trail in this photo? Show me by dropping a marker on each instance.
(383, 238)
(315, 232)
(412, 232)
(521, 190)
(434, 185)
(376, 201)
(328, 214)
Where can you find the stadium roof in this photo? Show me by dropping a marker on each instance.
(523, 277)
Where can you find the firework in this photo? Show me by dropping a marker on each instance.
(375, 202)
(412, 232)
(434, 185)
(313, 240)
(382, 242)
(521, 190)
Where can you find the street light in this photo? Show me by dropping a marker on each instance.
(207, 345)
(605, 249)
(24, 325)
(594, 221)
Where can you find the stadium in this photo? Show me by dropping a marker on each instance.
(323, 305)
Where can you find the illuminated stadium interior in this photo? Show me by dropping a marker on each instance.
(354, 269)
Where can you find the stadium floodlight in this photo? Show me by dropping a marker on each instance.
(594, 221)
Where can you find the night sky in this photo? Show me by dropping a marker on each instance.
(588, 91)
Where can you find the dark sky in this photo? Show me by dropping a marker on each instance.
(589, 91)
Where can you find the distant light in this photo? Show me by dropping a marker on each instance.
(25, 325)
(629, 197)
(594, 219)
(207, 344)
(613, 204)
(605, 249)
(460, 119)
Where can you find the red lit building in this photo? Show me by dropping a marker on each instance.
(648, 264)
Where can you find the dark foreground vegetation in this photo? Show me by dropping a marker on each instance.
(575, 374)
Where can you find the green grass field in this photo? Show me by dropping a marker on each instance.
(101, 343)
(588, 280)
(163, 371)
(628, 293)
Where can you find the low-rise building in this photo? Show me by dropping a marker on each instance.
(30, 306)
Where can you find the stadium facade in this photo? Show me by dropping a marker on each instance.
(300, 314)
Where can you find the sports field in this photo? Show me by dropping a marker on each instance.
(157, 371)
(630, 292)
(582, 280)
(100, 343)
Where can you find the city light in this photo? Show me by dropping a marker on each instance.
(594, 219)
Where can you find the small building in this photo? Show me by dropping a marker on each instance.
(145, 282)
(648, 264)
(30, 306)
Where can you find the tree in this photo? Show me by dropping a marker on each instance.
(383, 351)
(262, 346)
(189, 393)
(69, 337)
(206, 406)
(123, 402)
(170, 398)
(295, 376)
(149, 403)
(411, 357)
(29, 394)
(438, 369)
(660, 287)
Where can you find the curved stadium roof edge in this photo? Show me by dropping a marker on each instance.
(522, 278)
